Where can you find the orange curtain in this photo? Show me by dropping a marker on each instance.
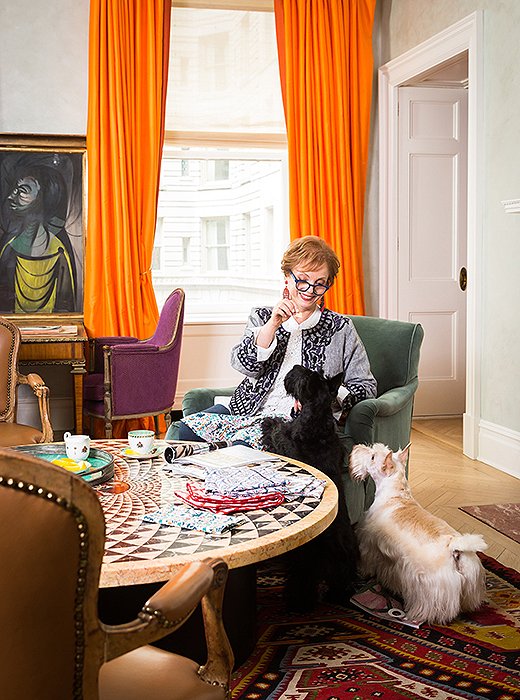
(128, 74)
(128, 70)
(325, 57)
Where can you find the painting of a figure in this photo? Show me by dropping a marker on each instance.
(41, 232)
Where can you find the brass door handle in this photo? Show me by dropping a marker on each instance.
(463, 278)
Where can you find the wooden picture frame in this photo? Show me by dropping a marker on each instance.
(42, 227)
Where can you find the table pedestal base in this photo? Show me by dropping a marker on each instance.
(121, 604)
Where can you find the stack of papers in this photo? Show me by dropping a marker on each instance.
(235, 456)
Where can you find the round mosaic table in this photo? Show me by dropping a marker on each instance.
(138, 552)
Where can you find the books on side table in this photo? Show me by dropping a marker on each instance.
(48, 330)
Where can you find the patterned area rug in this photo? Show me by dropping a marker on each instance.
(503, 517)
(338, 653)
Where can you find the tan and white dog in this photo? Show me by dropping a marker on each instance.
(408, 550)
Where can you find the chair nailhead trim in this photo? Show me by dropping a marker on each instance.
(224, 686)
(148, 613)
(81, 574)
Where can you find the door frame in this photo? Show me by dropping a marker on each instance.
(465, 35)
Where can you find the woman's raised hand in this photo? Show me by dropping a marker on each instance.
(282, 310)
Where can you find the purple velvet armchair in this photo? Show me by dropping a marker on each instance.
(133, 378)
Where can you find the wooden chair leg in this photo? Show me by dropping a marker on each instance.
(108, 430)
(156, 424)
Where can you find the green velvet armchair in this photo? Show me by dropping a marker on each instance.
(393, 350)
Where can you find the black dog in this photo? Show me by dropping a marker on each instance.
(311, 437)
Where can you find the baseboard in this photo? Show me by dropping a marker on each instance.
(61, 412)
(499, 447)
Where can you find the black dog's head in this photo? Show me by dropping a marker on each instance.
(309, 387)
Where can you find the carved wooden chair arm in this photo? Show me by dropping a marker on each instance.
(219, 664)
(41, 391)
(171, 606)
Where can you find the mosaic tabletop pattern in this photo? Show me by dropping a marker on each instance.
(142, 552)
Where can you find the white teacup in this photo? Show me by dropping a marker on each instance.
(77, 446)
(141, 441)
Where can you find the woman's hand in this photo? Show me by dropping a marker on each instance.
(282, 310)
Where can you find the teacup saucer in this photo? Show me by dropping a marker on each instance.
(128, 452)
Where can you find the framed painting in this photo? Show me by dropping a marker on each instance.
(42, 226)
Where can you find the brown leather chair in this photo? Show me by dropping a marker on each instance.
(52, 644)
(11, 432)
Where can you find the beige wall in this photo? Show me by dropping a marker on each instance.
(402, 25)
(43, 66)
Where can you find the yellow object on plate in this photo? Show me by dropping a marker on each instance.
(71, 465)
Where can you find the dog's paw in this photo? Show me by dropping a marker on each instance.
(268, 423)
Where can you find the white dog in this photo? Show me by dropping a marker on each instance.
(411, 552)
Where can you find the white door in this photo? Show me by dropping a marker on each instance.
(432, 239)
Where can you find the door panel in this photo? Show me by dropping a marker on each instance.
(432, 239)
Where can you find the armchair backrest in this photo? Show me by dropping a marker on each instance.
(9, 345)
(52, 643)
(392, 348)
(169, 326)
(157, 372)
(51, 545)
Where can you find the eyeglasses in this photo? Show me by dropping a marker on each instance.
(304, 285)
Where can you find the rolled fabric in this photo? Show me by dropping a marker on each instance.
(173, 452)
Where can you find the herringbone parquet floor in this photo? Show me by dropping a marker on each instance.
(442, 479)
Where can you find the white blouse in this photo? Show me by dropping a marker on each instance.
(278, 402)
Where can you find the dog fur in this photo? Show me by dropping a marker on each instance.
(413, 553)
(311, 437)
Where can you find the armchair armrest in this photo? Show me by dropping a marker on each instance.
(97, 345)
(41, 391)
(171, 606)
(359, 426)
(131, 348)
(196, 400)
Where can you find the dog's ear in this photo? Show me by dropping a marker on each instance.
(388, 465)
(359, 459)
(402, 455)
(334, 384)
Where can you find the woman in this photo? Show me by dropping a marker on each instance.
(296, 330)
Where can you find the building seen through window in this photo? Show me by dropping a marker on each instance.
(222, 221)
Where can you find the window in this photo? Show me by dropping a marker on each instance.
(223, 192)
(216, 243)
(185, 250)
(217, 170)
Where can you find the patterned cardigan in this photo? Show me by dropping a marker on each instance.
(331, 346)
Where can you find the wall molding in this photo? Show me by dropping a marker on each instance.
(465, 35)
(500, 448)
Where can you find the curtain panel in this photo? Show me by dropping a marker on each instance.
(128, 70)
(326, 70)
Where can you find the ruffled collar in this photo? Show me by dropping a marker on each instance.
(292, 324)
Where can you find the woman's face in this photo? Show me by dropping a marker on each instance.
(23, 194)
(307, 300)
